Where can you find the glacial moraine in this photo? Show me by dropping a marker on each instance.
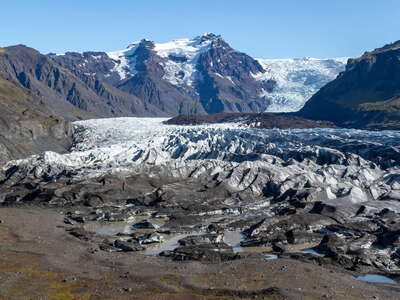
(223, 193)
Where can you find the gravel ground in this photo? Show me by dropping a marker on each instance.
(40, 260)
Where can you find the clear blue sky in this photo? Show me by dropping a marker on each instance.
(261, 28)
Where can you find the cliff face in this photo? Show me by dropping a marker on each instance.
(27, 126)
(73, 94)
(366, 95)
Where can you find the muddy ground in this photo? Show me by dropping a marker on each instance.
(40, 260)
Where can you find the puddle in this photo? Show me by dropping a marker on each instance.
(113, 228)
(312, 251)
(169, 244)
(258, 249)
(109, 229)
(233, 239)
(270, 256)
(301, 247)
(158, 222)
(375, 278)
(105, 268)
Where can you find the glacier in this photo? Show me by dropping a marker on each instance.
(340, 162)
(335, 189)
(297, 79)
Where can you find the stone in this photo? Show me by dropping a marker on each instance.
(145, 224)
(205, 253)
(201, 239)
(127, 246)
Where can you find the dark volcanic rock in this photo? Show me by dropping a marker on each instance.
(205, 253)
(145, 224)
(201, 239)
(80, 233)
(262, 120)
(128, 246)
(86, 63)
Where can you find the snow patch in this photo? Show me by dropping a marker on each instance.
(182, 71)
(180, 55)
(125, 61)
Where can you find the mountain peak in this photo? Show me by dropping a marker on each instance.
(205, 37)
(141, 42)
(388, 47)
(208, 36)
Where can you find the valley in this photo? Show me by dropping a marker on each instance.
(227, 206)
(187, 169)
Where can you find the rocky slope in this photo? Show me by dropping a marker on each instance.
(366, 95)
(61, 90)
(26, 126)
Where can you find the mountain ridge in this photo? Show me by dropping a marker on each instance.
(205, 71)
(200, 75)
(205, 75)
(366, 95)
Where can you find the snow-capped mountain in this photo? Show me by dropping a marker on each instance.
(181, 57)
(297, 79)
(203, 75)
